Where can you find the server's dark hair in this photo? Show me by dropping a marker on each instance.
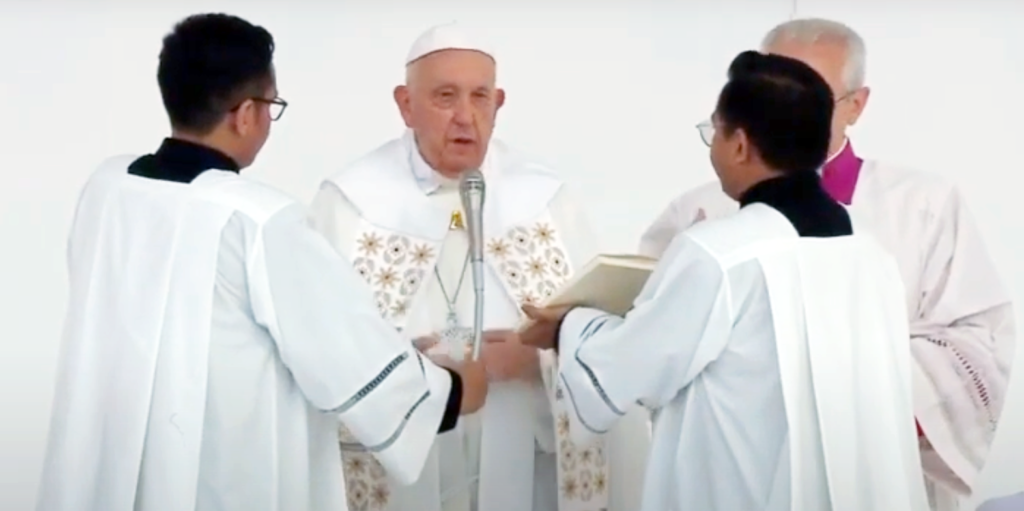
(783, 106)
(208, 65)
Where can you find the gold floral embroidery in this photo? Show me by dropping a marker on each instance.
(394, 267)
(366, 482)
(562, 429)
(566, 455)
(536, 267)
(370, 243)
(379, 495)
(533, 263)
(544, 234)
(498, 248)
(422, 254)
(399, 309)
(355, 466)
(569, 487)
(599, 482)
(586, 457)
(585, 469)
(531, 260)
(386, 278)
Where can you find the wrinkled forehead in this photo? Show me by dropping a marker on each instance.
(827, 57)
(463, 68)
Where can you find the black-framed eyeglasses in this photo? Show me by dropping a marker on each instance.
(276, 106)
(707, 131)
(707, 128)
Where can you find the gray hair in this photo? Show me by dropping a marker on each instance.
(813, 30)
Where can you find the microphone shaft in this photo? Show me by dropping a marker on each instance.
(471, 190)
(476, 256)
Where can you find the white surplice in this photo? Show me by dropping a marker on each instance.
(962, 332)
(772, 363)
(391, 213)
(212, 342)
(1008, 503)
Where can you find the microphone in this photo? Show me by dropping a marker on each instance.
(471, 191)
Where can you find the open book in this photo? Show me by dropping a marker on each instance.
(608, 282)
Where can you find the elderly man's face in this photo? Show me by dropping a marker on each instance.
(450, 102)
(829, 59)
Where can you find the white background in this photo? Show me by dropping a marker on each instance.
(607, 91)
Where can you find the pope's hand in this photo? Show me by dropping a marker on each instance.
(424, 343)
(542, 332)
(506, 358)
(440, 354)
(474, 385)
(474, 382)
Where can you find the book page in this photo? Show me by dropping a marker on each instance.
(609, 282)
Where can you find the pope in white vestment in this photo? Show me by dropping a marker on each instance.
(396, 213)
(766, 341)
(962, 332)
(213, 340)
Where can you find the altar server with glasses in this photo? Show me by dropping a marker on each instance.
(962, 331)
(213, 341)
(766, 342)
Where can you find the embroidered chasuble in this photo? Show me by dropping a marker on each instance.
(395, 239)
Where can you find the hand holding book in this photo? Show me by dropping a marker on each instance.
(608, 282)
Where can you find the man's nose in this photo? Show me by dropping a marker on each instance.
(463, 111)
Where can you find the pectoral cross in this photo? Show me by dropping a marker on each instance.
(456, 224)
(456, 337)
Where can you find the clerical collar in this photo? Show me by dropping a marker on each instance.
(428, 179)
(802, 199)
(841, 172)
(181, 161)
(789, 186)
(834, 156)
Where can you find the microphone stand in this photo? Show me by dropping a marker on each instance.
(473, 432)
(472, 185)
(478, 308)
(472, 193)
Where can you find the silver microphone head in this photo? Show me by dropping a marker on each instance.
(471, 191)
(471, 181)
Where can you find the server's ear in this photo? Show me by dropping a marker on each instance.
(739, 148)
(245, 117)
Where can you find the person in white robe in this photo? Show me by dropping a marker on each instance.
(962, 331)
(396, 213)
(213, 341)
(766, 341)
(1013, 502)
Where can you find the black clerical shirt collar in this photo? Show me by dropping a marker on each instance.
(802, 199)
(794, 186)
(181, 161)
